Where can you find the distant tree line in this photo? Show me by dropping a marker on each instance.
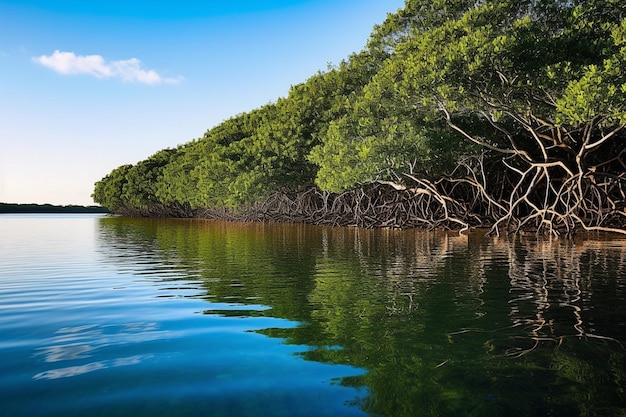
(457, 113)
(49, 208)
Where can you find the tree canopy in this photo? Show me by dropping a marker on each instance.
(510, 114)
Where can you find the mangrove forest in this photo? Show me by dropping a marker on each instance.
(508, 115)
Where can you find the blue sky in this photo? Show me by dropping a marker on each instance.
(86, 86)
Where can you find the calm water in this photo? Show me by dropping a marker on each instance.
(104, 316)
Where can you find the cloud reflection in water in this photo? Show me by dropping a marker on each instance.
(90, 367)
(81, 342)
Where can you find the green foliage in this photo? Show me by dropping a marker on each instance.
(109, 191)
(177, 185)
(143, 178)
(489, 69)
(600, 91)
(363, 148)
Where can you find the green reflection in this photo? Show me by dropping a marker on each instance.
(446, 325)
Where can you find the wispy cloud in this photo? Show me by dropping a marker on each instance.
(128, 70)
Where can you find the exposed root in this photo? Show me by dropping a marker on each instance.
(560, 182)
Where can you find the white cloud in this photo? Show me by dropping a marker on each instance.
(129, 70)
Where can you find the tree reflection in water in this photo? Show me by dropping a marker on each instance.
(446, 325)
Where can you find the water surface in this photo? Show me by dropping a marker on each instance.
(110, 316)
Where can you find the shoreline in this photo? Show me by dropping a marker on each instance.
(16, 208)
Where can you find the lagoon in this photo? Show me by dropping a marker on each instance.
(111, 316)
